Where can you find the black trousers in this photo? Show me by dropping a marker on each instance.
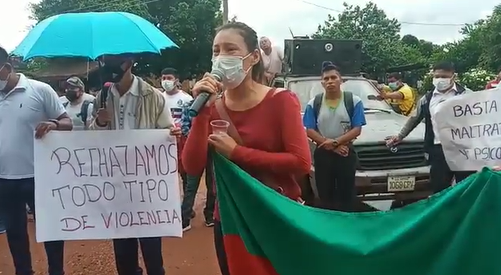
(126, 256)
(335, 179)
(190, 193)
(440, 174)
(220, 251)
(14, 196)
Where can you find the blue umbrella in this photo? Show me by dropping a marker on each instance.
(92, 35)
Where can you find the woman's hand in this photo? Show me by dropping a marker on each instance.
(175, 131)
(223, 144)
(207, 84)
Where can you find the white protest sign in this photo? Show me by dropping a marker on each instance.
(470, 130)
(106, 185)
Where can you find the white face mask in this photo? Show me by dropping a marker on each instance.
(442, 84)
(168, 85)
(232, 69)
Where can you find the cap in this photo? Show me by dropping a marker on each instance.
(328, 65)
(75, 82)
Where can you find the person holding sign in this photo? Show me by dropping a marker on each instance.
(264, 134)
(131, 103)
(441, 175)
(29, 108)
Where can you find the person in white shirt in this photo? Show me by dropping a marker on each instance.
(85, 96)
(28, 109)
(272, 57)
(176, 98)
(77, 107)
(445, 88)
(131, 103)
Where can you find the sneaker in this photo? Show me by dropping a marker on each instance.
(186, 227)
(209, 222)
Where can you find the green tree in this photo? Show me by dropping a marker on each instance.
(382, 47)
(47, 8)
(190, 24)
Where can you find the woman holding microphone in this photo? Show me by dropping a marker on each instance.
(265, 136)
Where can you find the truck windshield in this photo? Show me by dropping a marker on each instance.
(307, 89)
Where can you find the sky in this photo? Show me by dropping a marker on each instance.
(438, 21)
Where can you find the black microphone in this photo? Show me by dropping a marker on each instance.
(203, 97)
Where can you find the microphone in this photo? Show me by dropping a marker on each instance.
(203, 96)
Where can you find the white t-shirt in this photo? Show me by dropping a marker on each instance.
(86, 96)
(74, 111)
(273, 62)
(176, 103)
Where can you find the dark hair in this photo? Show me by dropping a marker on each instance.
(397, 76)
(4, 56)
(328, 66)
(171, 71)
(445, 66)
(251, 41)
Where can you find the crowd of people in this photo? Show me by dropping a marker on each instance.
(266, 135)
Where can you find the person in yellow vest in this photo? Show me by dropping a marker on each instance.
(400, 96)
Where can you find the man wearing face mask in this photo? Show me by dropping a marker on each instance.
(445, 88)
(78, 108)
(176, 100)
(29, 109)
(85, 96)
(401, 95)
(131, 103)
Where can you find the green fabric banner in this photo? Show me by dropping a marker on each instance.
(456, 232)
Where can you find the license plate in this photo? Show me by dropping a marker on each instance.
(396, 184)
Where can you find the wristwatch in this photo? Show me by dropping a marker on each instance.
(55, 121)
(335, 143)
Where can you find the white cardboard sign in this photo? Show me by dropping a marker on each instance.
(106, 185)
(470, 130)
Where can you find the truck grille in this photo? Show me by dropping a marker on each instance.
(379, 157)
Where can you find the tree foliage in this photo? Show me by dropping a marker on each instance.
(189, 23)
(379, 33)
(384, 48)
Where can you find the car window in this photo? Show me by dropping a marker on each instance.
(307, 89)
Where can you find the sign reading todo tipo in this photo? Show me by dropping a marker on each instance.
(470, 130)
(106, 185)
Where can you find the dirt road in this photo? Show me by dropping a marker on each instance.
(194, 254)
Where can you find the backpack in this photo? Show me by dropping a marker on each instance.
(348, 103)
(84, 111)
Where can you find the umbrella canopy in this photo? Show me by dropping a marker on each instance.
(92, 35)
